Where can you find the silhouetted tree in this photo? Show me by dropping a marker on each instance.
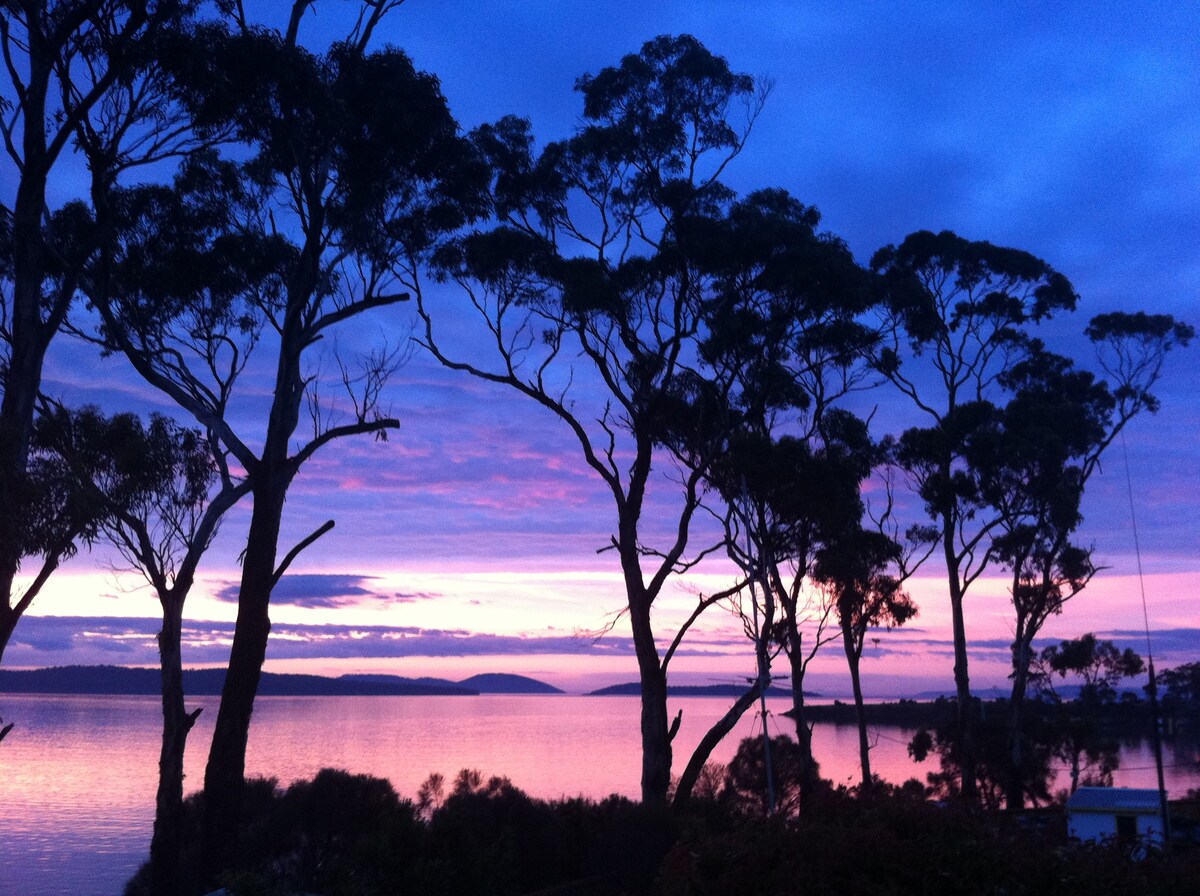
(789, 498)
(163, 535)
(1181, 688)
(864, 570)
(79, 75)
(788, 341)
(148, 490)
(956, 317)
(353, 170)
(592, 287)
(1079, 736)
(1034, 463)
(992, 767)
(745, 786)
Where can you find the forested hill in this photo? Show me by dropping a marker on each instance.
(632, 688)
(485, 683)
(208, 682)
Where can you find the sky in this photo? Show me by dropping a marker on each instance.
(468, 541)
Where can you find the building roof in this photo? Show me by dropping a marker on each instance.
(1114, 799)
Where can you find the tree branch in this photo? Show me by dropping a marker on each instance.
(295, 552)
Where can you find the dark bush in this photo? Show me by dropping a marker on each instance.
(896, 846)
(351, 835)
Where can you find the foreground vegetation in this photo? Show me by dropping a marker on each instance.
(352, 834)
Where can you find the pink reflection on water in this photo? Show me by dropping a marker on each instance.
(77, 775)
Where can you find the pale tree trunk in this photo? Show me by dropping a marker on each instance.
(860, 710)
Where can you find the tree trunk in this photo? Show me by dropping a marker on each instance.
(167, 841)
(860, 711)
(8, 619)
(1022, 655)
(656, 734)
(28, 339)
(708, 743)
(965, 746)
(225, 773)
(808, 765)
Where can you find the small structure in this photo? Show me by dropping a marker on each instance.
(1126, 815)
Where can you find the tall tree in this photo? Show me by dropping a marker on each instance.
(79, 73)
(790, 497)
(592, 299)
(957, 315)
(787, 339)
(152, 487)
(354, 169)
(864, 569)
(1035, 462)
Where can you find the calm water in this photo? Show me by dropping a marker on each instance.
(77, 775)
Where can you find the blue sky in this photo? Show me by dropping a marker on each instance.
(1069, 130)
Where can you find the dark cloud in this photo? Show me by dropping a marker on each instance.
(63, 634)
(46, 640)
(313, 590)
(1165, 642)
(1173, 646)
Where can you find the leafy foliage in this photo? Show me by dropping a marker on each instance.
(345, 834)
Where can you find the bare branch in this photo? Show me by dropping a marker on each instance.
(295, 551)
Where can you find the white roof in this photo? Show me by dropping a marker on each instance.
(1114, 799)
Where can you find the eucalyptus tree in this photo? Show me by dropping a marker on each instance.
(348, 168)
(789, 338)
(956, 316)
(1016, 431)
(788, 497)
(865, 570)
(592, 300)
(79, 72)
(151, 490)
(1035, 462)
(163, 537)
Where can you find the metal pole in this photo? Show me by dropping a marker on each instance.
(1155, 721)
(1163, 807)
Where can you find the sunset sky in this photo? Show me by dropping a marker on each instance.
(468, 541)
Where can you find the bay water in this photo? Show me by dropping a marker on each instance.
(78, 773)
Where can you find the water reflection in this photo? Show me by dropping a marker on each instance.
(77, 776)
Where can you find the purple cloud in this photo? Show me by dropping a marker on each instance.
(314, 590)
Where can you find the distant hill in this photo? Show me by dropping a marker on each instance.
(384, 679)
(209, 682)
(486, 683)
(633, 689)
(501, 683)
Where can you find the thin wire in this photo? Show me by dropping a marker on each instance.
(1137, 549)
(1164, 809)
